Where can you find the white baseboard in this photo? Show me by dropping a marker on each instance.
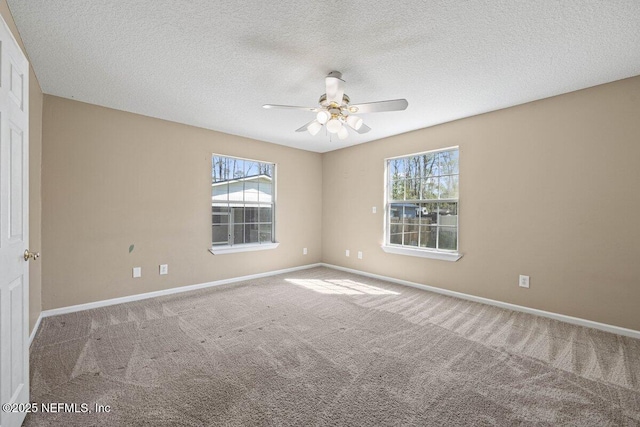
(35, 328)
(561, 317)
(137, 297)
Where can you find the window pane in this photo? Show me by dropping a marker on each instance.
(266, 169)
(395, 212)
(448, 162)
(397, 190)
(265, 214)
(412, 189)
(409, 172)
(250, 214)
(429, 162)
(251, 168)
(238, 234)
(236, 190)
(265, 190)
(237, 168)
(220, 208)
(448, 214)
(219, 191)
(238, 215)
(220, 234)
(396, 169)
(251, 233)
(411, 235)
(219, 169)
(449, 187)
(410, 214)
(395, 234)
(428, 213)
(428, 236)
(220, 219)
(429, 188)
(448, 238)
(251, 190)
(265, 233)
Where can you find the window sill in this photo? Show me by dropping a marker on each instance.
(221, 250)
(423, 253)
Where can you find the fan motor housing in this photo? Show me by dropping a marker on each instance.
(323, 101)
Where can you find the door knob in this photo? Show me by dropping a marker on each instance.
(31, 255)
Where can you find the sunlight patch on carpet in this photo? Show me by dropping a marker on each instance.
(340, 286)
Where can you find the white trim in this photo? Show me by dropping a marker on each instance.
(137, 297)
(561, 317)
(437, 150)
(220, 250)
(556, 316)
(424, 253)
(35, 328)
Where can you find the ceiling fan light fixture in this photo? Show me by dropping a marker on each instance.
(323, 116)
(343, 133)
(334, 125)
(355, 122)
(314, 127)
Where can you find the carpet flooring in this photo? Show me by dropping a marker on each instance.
(321, 347)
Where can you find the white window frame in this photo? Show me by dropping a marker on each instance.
(433, 253)
(255, 246)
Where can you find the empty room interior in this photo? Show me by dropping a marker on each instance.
(402, 213)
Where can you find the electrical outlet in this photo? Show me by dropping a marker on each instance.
(359, 254)
(164, 269)
(524, 281)
(374, 209)
(304, 251)
(137, 272)
(346, 252)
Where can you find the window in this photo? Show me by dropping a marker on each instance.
(242, 202)
(422, 202)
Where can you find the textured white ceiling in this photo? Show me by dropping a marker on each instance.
(214, 63)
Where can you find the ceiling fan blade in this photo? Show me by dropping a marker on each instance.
(380, 106)
(290, 107)
(364, 129)
(334, 87)
(303, 128)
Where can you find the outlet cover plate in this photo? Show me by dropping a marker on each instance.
(524, 281)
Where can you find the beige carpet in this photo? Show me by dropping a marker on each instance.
(322, 347)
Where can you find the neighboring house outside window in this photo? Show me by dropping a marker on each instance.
(422, 202)
(242, 202)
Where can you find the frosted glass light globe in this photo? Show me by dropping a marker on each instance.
(314, 128)
(323, 116)
(355, 122)
(334, 125)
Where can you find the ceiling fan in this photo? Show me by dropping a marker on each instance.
(336, 112)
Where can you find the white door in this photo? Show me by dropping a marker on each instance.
(14, 226)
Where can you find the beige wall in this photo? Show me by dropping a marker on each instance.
(35, 161)
(112, 179)
(547, 189)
